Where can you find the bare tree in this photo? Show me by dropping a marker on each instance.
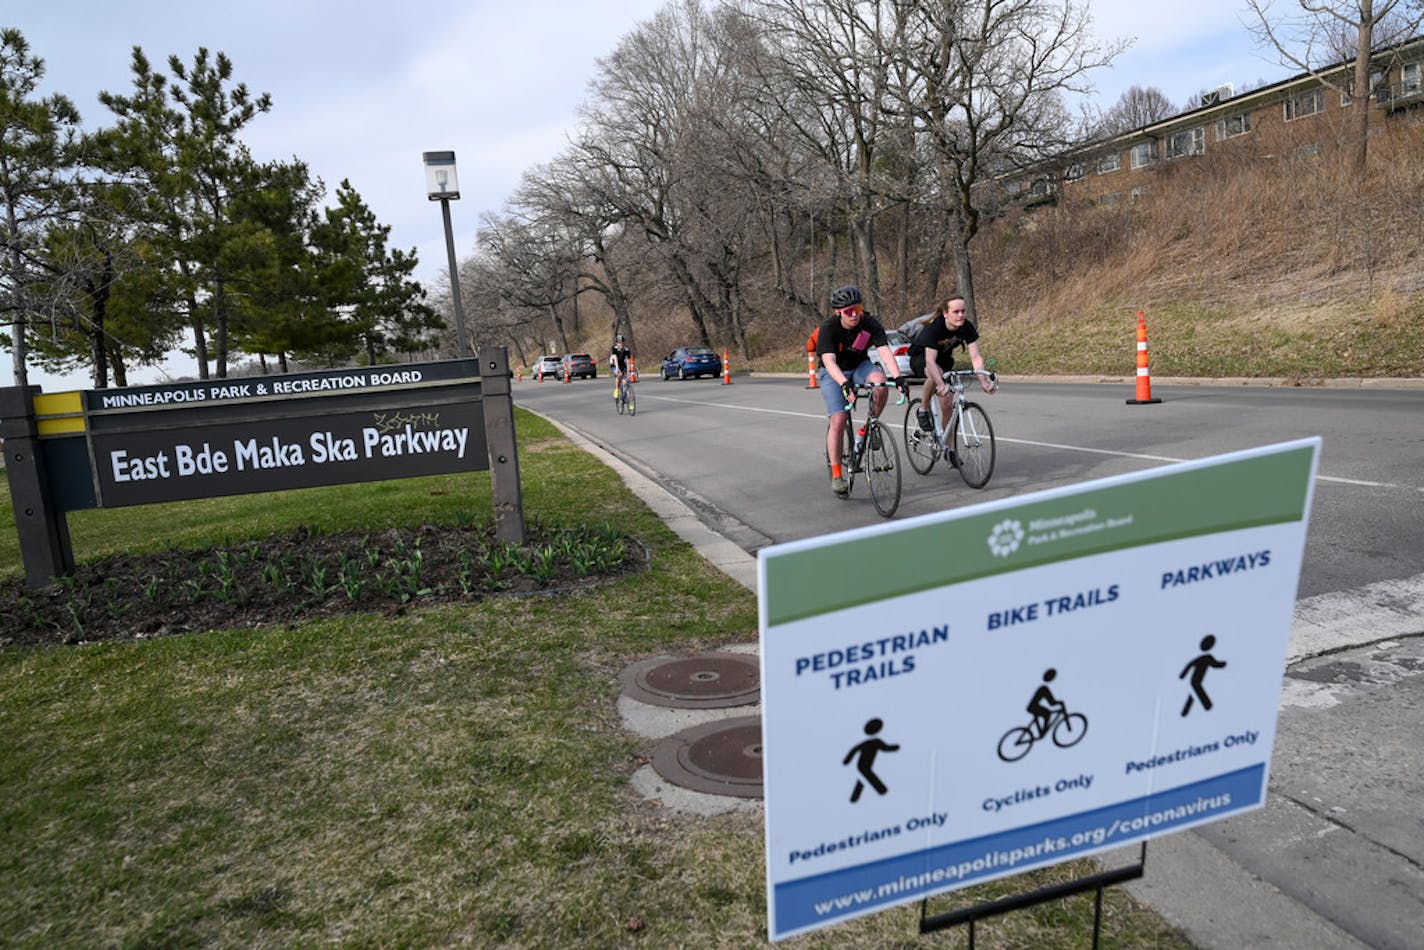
(1323, 35)
(1138, 106)
(832, 62)
(532, 264)
(638, 154)
(985, 84)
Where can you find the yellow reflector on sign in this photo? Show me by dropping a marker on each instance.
(58, 413)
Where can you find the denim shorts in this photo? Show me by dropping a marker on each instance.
(831, 392)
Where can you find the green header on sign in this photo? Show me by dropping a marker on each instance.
(1270, 486)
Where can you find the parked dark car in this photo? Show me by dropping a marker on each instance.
(580, 366)
(548, 367)
(688, 361)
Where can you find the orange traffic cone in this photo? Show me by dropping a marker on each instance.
(1144, 376)
(519, 375)
(811, 372)
(632, 369)
(726, 368)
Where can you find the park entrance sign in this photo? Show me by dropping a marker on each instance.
(135, 446)
(973, 694)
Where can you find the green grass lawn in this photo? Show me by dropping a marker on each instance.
(444, 775)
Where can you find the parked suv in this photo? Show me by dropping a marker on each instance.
(579, 365)
(548, 367)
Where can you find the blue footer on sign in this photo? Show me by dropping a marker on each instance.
(853, 891)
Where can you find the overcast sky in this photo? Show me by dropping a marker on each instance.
(361, 88)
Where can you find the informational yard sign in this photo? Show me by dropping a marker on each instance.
(971, 695)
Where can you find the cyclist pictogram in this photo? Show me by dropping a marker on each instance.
(1050, 718)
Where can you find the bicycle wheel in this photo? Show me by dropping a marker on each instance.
(1015, 743)
(618, 401)
(919, 444)
(882, 468)
(632, 402)
(1070, 730)
(971, 438)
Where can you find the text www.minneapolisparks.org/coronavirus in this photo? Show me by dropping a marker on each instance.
(995, 861)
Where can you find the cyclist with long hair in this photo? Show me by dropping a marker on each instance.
(932, 355)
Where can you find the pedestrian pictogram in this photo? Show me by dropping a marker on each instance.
(865, 753)
(1198, 668)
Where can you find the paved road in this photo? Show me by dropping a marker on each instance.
(1337, 856)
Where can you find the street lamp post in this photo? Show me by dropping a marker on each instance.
(442, 185)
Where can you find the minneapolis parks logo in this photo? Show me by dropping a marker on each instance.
(1006, 537)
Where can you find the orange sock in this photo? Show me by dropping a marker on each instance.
(835, 469)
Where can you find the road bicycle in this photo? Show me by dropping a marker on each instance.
(872, 454)
(967, 442)
(623, 397)
(1067, 729)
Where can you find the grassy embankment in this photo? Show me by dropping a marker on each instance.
(1270, 262)
(453, 774)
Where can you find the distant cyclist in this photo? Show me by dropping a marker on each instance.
(620, 359)
(843, 348)
(932, 355)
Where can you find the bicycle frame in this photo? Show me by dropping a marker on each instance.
(955, 378)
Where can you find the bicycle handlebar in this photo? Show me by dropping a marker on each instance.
(961, 374)
(864, 389)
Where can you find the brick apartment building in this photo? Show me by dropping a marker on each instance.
(1293, 114)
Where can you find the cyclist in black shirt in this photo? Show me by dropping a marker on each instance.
(620, 357)
(932, 354)
(843, 347)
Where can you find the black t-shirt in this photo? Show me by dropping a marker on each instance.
(938, 336)
(621, 354)
(851, 347)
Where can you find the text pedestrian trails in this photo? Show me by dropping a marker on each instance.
(1015, 684)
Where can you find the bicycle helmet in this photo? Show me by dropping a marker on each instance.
(843, 297)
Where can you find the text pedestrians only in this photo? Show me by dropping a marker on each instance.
(977, 693)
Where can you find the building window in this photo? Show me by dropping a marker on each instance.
(1232, 126)
(1378, 88)
(1307, 103)
(1074, 172)
(1109, 163)
(1410, 81)
(1144, 154)
(1190, 142)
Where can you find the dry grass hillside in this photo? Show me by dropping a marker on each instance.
(1248, 265)
(1265, 263)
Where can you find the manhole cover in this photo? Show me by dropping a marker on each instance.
(706, 681)
(720, 758)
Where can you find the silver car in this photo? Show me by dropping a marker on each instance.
(900, 346)
(548, 367)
